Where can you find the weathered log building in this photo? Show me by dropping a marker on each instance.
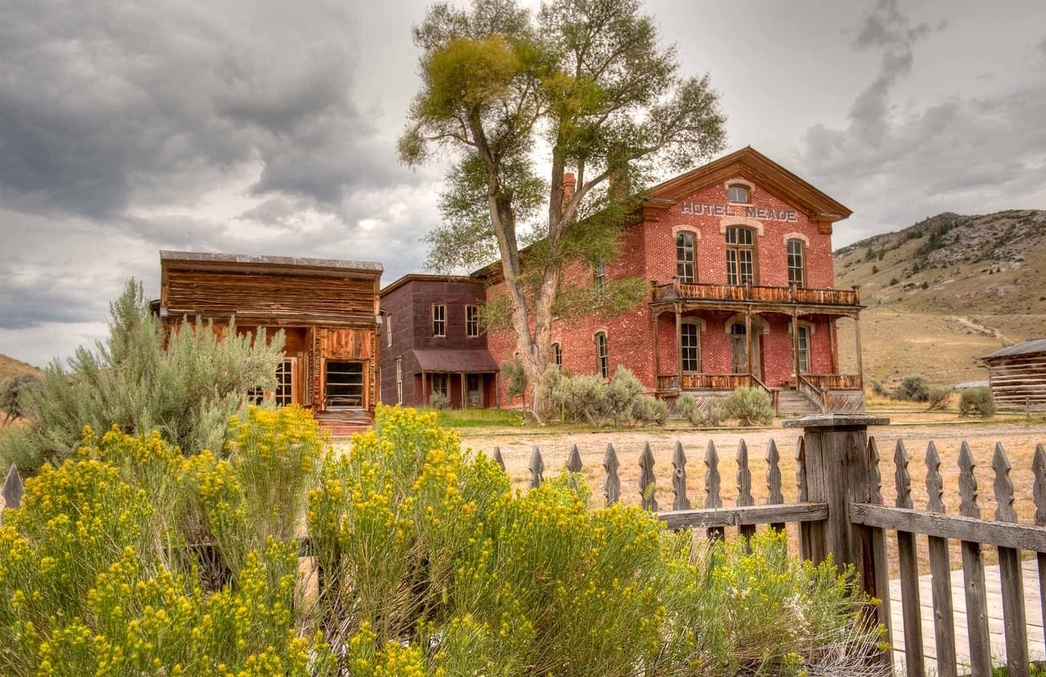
(1017, 375)
(328, 310)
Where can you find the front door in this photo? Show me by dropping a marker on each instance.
(739, 351)
(474, 387)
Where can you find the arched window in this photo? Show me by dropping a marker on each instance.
(740, 255)
(690, 346)
(796, 263)
(686, 270)
(738, 193)
(602, 357)
(557, 354)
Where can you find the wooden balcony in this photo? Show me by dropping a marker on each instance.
(834, 381)
(703, 291)
(697, 382)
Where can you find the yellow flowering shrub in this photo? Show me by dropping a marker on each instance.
(95, 580)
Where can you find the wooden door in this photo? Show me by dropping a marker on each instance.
(474, 397)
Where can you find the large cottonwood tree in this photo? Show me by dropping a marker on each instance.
(581, 86)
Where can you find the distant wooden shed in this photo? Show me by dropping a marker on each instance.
(1017, 375)
(327, 308)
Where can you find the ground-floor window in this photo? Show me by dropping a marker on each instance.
(399, 380)
(285, 383)
(602, 356)
(344, 384)
(441, 385)
(690, 347)
(803, 343)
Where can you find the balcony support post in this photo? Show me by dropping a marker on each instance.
(833, 347)
(795, 344)
(657, 348)
(857, 338)
(679, 346)
(748, 341)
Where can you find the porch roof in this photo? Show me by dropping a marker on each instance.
(474, 361)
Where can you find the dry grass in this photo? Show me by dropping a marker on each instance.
(10, 368)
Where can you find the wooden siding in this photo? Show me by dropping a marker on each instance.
(274, 298)
(1018, 380)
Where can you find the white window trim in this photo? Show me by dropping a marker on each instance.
(444, 320)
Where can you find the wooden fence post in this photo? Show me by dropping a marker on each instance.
(838, 471)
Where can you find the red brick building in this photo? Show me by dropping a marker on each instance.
(738, 255)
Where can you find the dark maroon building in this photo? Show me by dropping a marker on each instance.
(432, 341)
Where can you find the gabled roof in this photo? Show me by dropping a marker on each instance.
(1026, 348)
(750, 164)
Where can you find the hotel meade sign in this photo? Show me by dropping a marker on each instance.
(761, 213)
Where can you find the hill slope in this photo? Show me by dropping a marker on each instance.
(10, 368)
(946, 291)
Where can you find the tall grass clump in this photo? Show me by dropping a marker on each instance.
(978, 401)
(185, 386)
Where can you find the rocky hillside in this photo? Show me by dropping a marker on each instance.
(946, 291)
(10, 368)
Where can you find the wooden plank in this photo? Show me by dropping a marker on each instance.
(1038, 467)
(647, 480)
(680, 502)
(1019, 536)
(717, 518)
(611, 483)
(774, 496)
(712, 481)
(744, 488)
(909, 568)
(940, 570)
(978, 638)
(1010, 573)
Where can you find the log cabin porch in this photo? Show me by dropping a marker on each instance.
(710, 339)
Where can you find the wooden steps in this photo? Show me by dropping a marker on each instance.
(794, 403)
(344, 423)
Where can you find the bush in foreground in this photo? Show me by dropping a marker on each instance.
(429, 565)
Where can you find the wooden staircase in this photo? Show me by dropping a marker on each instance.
(344, 423)
(794, 403)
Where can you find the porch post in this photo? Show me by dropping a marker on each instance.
(748, 340)
(464, 395)
(423, 398)
(860, 364)
(657, 352)
(679, 347)
(795, 344)
(833, 347)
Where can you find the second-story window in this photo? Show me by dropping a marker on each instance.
(602, 356)
(685, 268)
(601, 274)
(557, 354)
(471, 321)
(439, 320)
(388, 328)
(796, 263)
(740, 255)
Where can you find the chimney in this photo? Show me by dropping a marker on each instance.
(569, 183)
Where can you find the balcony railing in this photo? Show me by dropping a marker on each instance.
(816, 382)
(703, 291)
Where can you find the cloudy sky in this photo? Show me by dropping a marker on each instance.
(269, 127)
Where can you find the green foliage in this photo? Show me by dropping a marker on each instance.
(750, 406)
(439, 401)
(879, 389)
(684, 406)
(913, 389)
(977, 401)
(515, 378)
(647, 409)
(875, 269)
(13, 395)
(96, 576)
(893, 281)
(588, 398)
(187, 389)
